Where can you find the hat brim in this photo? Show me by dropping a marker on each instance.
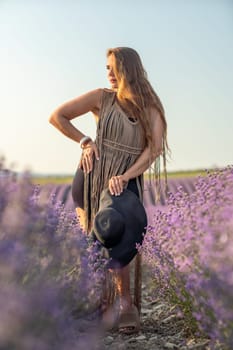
(133, 211)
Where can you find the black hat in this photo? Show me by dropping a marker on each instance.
(119, 224)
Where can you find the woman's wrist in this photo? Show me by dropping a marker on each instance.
(84, 141)
(126, 178)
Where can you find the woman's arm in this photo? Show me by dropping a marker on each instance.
(117, 183)
(62, 116)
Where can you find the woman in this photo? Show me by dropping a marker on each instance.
(131, 135)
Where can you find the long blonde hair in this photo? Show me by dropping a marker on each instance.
(136, 95)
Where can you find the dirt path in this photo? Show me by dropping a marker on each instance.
(160, 328)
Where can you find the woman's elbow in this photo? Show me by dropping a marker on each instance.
(53, 119)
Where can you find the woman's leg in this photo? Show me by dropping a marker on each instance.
(81, 218)
(77, 190)
(121, 283)
(123, 287)
(129, 320)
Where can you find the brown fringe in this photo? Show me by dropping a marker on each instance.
(115, 136)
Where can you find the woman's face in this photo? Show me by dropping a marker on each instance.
(110, 74)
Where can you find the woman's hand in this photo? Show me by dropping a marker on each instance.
(117, 184)
(89, 151)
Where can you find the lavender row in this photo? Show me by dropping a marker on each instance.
(50, 273)
(62, 193)
(189, 247)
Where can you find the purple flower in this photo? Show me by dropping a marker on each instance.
(189, 246)
(51, 275)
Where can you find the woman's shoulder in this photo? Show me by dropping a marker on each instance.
(107, 95)
(98, 95)
(109, 90)
(102, 92)
(107, 98)
(101, 98)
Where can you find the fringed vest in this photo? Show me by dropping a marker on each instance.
(120, 142)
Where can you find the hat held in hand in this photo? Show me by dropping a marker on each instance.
(119, 224)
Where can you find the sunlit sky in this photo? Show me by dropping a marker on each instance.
(53, 50)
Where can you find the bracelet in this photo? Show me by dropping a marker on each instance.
(84, 140)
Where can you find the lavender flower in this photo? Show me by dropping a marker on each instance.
(190, 248)
(50, 273)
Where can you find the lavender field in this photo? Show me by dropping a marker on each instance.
(62, 192)
(51, 273)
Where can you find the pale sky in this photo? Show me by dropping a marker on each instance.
(54, 50)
